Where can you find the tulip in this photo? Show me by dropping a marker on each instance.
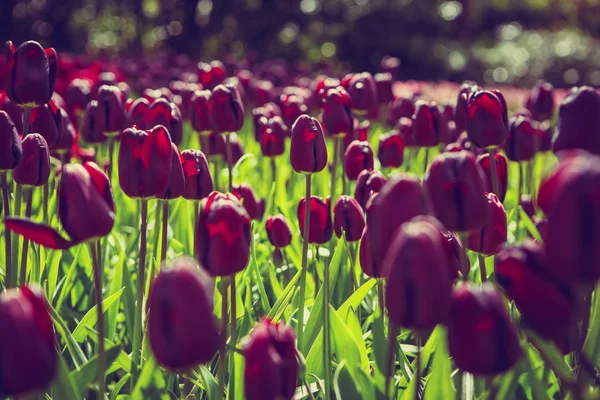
(460, 108)
(14, 111)
(446, 126)
(167, 114)
(400, 108)
(212, 144)
(358, 157)
(225, 109)
(489, 239)
(254, 207)
(30, 74)
(425, 124)
(198, 181)
(578, 125)
(348, 219)
(177, 179)
(526, 203)
(365, 258)
(337, 116)
(360, 133)
(308, 152)
(181, 326)
(520, 144)
(271, 370)
(321, 226)
(272, 139)
(544, 132)
(237, 150)
(28, 359)
(501, 172)
(481, 338)
(292, 108)
(540, 101)
(110, 112)
(391, 150)
(10, 151)
(136, 114)
(367, 183)
(34, 168)
(363, 92)
(67, 134)
(200, 116)
(263, 92)
(278, 231)
(77, 96)
(47, 121)
(455, 187)
(486, 118)
(384, 83)
(418, 289)
(91, 130)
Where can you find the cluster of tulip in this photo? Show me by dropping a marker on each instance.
(418, 236)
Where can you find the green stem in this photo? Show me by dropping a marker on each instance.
(45, 203)
(327, 332)
(196, 215)
(233, 340)
(380, 297)
(520, 192)
(464, 258)
(426, 161)
(482, 269)
(493, 171)
(418, 372)
(223, 338)
(98, 290)
(229, 161)
(164, 230)
(25, 250)
(300, 326)
(389, 373)
(336, 142)
(17, 239)
(7, 245)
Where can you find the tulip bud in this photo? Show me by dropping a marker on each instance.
(136, 114)
(177, 180)
(28, 358)
(181, 326)
(400, 108)
(578, 125)
(545, 305)
(237, 150)
(162, 112)
(92, 131)
(384, 83)
(225, 109)
(348, 218)
(489, 239)
(11, 149)
(292, 108)
(198, 181)
(526, 203)
(263, 92)
(272, 141)
(455, 186)
(358, 157)
(337, 116)
(540, 101)
(367, 183)
(321, 227)
(34, 168)
(417, 293)
(391, 150)
(501, 173)
(213, 144)
(271, 370)
(278, 231)
(47, 121)
(363, 91)
(486, 118)
(254, 207)
(145, 159)
(308, 152)
(520, 144)
(78, 95)
(110, 112)
(446, 126)
(30, 73)
(425, 124)
(14, 111)
(366, 261)
(460, 108)
(481, 338)
(200, 116)
(222, 235)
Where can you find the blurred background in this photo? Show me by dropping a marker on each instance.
(512, 42)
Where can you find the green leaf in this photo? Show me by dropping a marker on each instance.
(87, 373)
(357, 297)
(286, 296)
(530, 226)
(344, 384)
(64, 387)
(115, 286)
(537, 388)
(91, 318)
(439, 384)
(210, 383)
(118, 386)
(592, 343)
(151, 383)
(74, 349)
(264, 299)
(344, 345)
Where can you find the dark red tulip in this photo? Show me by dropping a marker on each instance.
(348, 218)
(278, 231)
(181, 326)
(540, 101)
(198, 181)
(526, 202)
(400, 108)
(391, 150)
(92, 131)
(337, 116)
(384, 83)
(167, 114)
(321, 226)
(259, 121)
(86, 209)
(417, 293)
(360, 133)
(545, 305)
(14, 111)
(455, 186)
(110, 112)
(30, 73)
(358, 157)
(578, 125)
(225, 109)
(34, 168)
(28, 359)
(308, 152)
(425, 126)
(145, 162)
(363, 91)
(489, 239)
(47, 120)
(237, 150)
(292, 108)
(78, 95)
(366, 261)
(460, 108)
(11, 149)
(177, 181)
(136, 115)
(263, 92)
(544, 133)
(367, 183)
(399, 200)
(254, 206)
(274, 132)
(520, 144)
(222, 235)
(68, 135)
(213, 144)
(501, 172)
(200, 116)
(405, 130)
(486, 118)
(271, 370)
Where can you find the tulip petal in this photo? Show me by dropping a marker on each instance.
(52, 62)
(38, 233)
(101, 182)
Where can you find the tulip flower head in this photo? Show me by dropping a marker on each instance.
(278, 231)
(321, 226)
(198, 181)
(308, 152)
(348, 218)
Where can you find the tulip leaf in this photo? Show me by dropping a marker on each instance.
(344, 344)
(53, 270)
(86, 374)
(439, 384)
(74, 349)
(537, 388)
(210, 383)
(118, 386)
(530, 226)
(592, 343)
(314, 359)
(286, 296)
(66, 281)
(345, 384)
(115, 286)
(264, 299)
(64, 387)
(353, 302)
(91, 318)
(151, 383)
(368, 389)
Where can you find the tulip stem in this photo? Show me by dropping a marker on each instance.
(326, 331)
(111, 150)
(17, 239)
(494, 171)
(98, 290)
(305, 236)
(223, 339)
(380, 293)
(520, 193)
(418, 372)
(45, 203)
(165, 231)
(390, 370)
(336, 147)
(25, 251)
(229, 161)
(465, 266)
(274, 170)
(139, 309)
(7, 234)
(426, 161)
(482, 269)
(233, 340)
(196, 215)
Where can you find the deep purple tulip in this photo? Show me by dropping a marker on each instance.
(321, 226)
(520, 144)
(348, 218)
(358, 157)
(486, 118)
(391, 150)
(460, 108)
(367, 183)
(540, 101)
(578, 125)
(200, 116)
(365, 258)
(273, 134)
(278, 231)
(363, 92)
(213, 144)
(292, 108)
(78, 95)
(254, 206)
(198, 181)
(177, 181)
(337, 116)
(501, 173)
(14, 111)
(400, 108)
(34, 168)
(308, 152)
(425, 127)
(47, 121)
(489, 239)
(167, 114)
(11, 149)
(237, 149)
(110, 112)
(384, 83)
(225, 109)
(92, 131)
(136, 115)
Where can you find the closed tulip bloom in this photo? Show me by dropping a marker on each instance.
(489, 239)
(578, 125)
(47, 121)
(198, 181)
(67, 135)
(167, 114)
(271, 370)
(501, 172)
(446, 127)
(181, 326)
(358, 157)
(384, 83)
(110, 112)
(11, 149)
(455, 186)
(417, 293)
(545, 305)
(337, 116)
(263, 92)
(92, 130)
(321, 226)
(527, 204)
(486, 118)
(177, 181)
(272, 141)
(278, 231)
(292, 108)
(400, 108)
(520, 144)
(365, 258)
(28, 359)
(225, 109)
(399, 200)
(136, 115)
(540, 101)
(363, 91)
(14, 111)
(425, 124)
(308, 152)
(30, 73)
(200, 115)
(34, 168)
(481, 338)
(78, 95)
(348, 218)
(213, 144)
(391, 150)
(222, 235)
(145, 162)
(237, 150)
(367, 183)
(544, 133)
(460, 108)
(254, 206)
